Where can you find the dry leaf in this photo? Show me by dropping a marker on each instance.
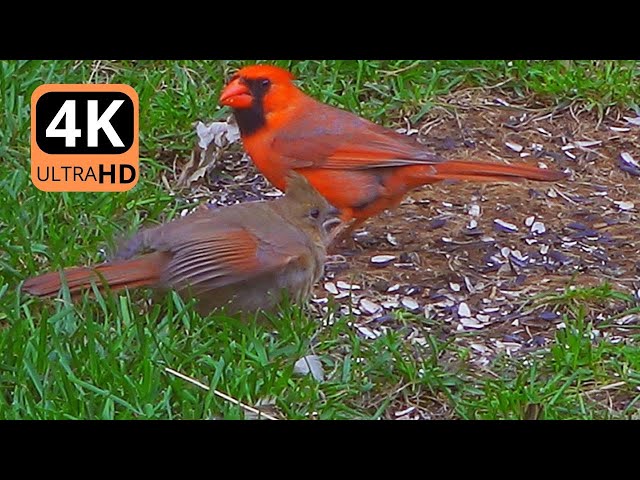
(220, 133)
(213, 140)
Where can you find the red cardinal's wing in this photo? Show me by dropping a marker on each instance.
(326, 137)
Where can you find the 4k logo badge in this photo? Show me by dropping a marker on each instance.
(84, 138)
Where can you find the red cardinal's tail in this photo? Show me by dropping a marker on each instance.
(478, 172)
(494, 172)
(139, 272)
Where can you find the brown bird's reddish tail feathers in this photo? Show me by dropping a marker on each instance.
(479, 172)
(242, 258)
(138, 272)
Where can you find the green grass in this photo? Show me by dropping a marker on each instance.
(580, 375)
(105, 358)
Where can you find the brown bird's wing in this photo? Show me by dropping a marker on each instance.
(326, 137)
(211, 249)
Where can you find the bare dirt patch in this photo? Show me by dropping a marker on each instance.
(468, 259)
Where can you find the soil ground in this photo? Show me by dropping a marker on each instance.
(458, 270)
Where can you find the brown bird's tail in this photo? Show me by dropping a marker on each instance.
(139, 272)
(479, 172)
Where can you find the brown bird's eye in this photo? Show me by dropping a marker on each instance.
(315, 213)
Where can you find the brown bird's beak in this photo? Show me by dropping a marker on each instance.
(333, 219)
(236, 95)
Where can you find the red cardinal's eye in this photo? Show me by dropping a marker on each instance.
(266, 82)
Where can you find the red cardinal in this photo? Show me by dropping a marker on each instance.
(360, 167)
(241, 257)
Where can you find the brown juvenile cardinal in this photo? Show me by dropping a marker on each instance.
(359, 167)
(243, 257)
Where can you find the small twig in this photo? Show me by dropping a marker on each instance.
(220, 394)
(621, 327)
(606, 387)
(498, 85)
(567, 198)
(630, 311)
(400, 70)
(94, 70)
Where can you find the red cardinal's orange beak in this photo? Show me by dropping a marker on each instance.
(236, 95)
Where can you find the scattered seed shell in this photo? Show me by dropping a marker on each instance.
(516, 254)
(405, 412)
(471, 323)
(331, 288)
(536, 147)
(390, 304)
(410, 304)
(346, 286)
(368, 333)
(273, 194)
(588, 144)
(382, 260)
(514, 146)
(625, 206)
(629, 164)
(437, 223)
(369, 307)
(464, 310)
(470, 286)
(538, 228)
(479, 348)
(548, 316)
(503, 226)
